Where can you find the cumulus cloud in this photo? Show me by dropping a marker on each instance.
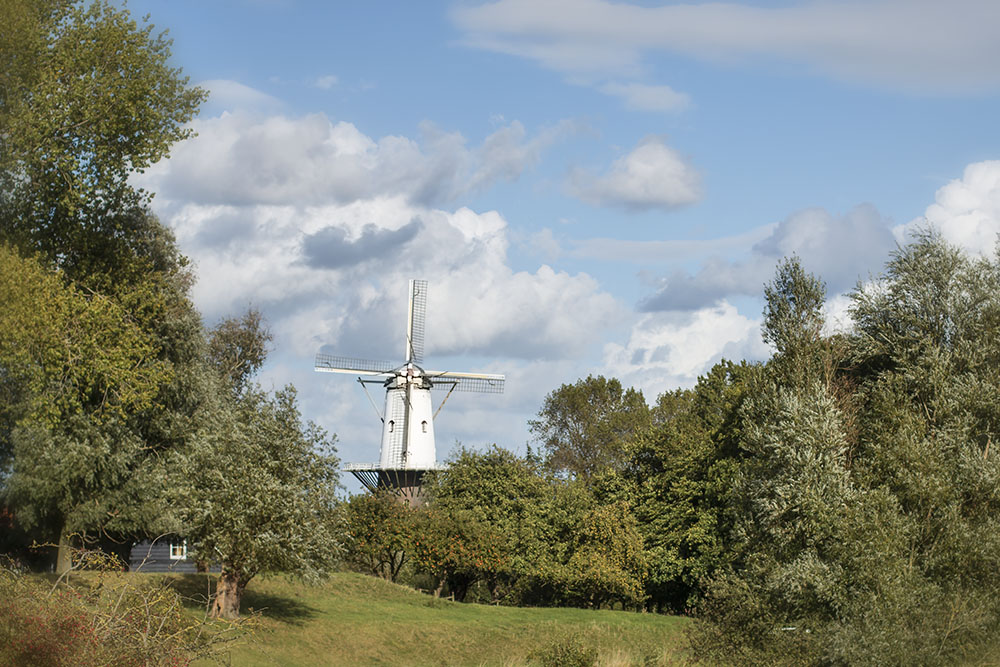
(331, 248)
(839, 249)
(336, 275)
(671, 349)
(240, 158)
(966, 211)
(652, 175)
(911, 44)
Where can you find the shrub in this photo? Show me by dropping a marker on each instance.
(566, 652)
(104, 617)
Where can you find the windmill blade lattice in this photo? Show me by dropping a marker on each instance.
(332, 364)
(480, 385)
(416, 326)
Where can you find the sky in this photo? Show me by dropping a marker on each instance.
(588, 187)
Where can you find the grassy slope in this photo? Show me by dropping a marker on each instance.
(358, 620)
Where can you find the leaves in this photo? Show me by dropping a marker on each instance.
(584, 427)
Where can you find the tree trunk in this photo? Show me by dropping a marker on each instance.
(228, 593)
(64, 554)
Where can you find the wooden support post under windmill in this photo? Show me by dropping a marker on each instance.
(407, 449)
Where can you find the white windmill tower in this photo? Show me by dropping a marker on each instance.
(407, 449)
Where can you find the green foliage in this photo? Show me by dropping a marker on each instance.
(237, 347)
(793, 323)
(868, 488)
(608, 564)
(89, 99)
(111, 380)
(379, 533)
(584, 427)
(456, 549)
(514, 498)
(531, 538)
(683, 473)
(258, 492)
(567, 652)
(75, 367)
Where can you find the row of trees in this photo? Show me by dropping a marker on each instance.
(507, 528)
(838, 504)
(121, 416)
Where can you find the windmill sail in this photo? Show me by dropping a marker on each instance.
(481, 383)
(326, 363)
(415, 322)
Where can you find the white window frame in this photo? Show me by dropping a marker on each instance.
(178, 551)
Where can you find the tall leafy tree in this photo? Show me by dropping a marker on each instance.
(379, 531)
(868, 497)
(89, 98)
(259, 494)
(255, 488)
(74, 367)
(238, 347)
(584, 427)
(683, 473)
(516, 498)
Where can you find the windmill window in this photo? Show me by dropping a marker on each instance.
(423, 425)
(178, 550)
(392, 426)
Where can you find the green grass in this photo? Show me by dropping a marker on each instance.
(357, 620)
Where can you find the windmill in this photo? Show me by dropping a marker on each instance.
(407, 449)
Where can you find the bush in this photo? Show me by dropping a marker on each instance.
(567, 652)
(104, 617)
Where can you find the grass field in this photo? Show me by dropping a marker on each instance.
(358, 620)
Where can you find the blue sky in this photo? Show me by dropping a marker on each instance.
(589, 187)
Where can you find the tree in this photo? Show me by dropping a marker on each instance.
(379, 533)
(793, 322)
(88, 100)
(867, 497)
(259, 494)
(455, 549)
(534, 513)
(608, 563)
(683, 472)
(237, 347)
(584, 427)
(74, 368)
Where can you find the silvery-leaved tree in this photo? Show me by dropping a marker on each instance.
(256, 488)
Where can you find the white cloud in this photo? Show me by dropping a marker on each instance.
(336, 275)
(839, 249)
(646, 97)
(239, 158)
(652, 175)
(966, 210)
(227, 95)
(326, 82)
(320, 226)
(914, 44)
(348, 297)
(669, 350)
